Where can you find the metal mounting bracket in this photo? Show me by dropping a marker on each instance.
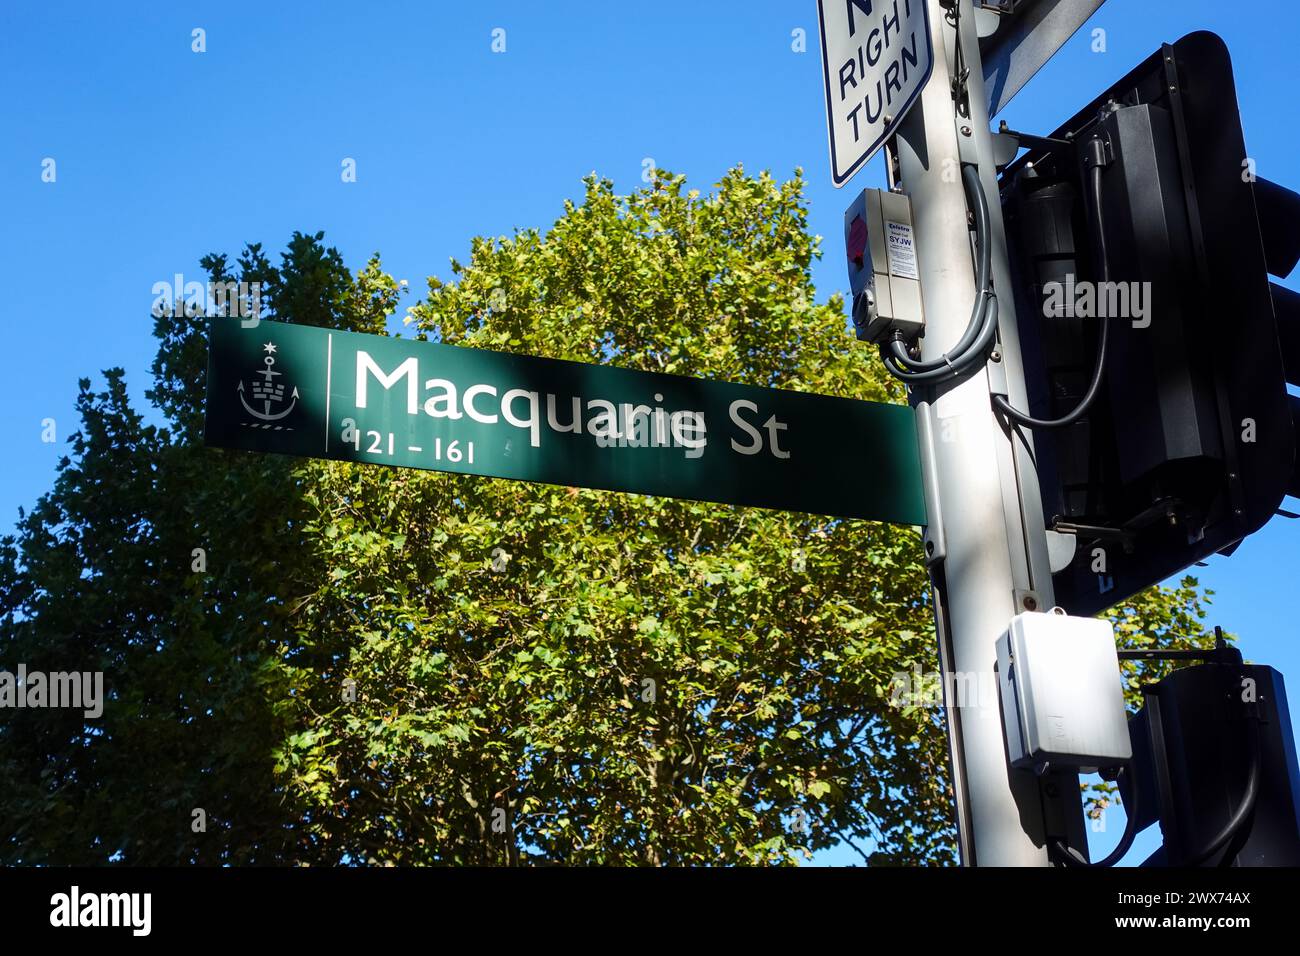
(936, 548)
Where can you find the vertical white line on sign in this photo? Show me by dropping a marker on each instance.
(329, 370)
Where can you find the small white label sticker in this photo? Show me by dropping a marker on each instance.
(901, 250)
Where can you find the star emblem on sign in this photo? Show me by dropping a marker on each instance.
(269, 347)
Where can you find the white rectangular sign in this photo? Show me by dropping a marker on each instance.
(876, 58)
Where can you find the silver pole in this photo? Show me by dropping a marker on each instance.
(987, 543)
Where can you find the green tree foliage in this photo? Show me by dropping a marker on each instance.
(541, 674)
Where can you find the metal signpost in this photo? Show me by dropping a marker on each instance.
(986, 542)
(991, 538)
(302, 390)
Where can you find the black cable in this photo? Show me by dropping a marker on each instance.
(1071, 857)
(1103, 337)
(971, 350)
(961, 73)
(1230, 829)
(979, 206)
(959, 365)
(973, 346)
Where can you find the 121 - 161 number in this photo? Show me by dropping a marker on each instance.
(384, 443)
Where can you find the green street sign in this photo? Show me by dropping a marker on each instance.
(301, 390)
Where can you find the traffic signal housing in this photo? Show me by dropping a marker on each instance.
(1191, 445)
(1215, 764)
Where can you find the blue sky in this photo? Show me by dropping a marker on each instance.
(163, 154)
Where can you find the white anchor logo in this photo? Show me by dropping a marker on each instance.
(268, 392)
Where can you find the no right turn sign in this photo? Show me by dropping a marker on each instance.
(876, 59)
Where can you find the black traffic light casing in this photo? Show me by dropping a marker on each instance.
(1191, 446)
(1194, 741)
